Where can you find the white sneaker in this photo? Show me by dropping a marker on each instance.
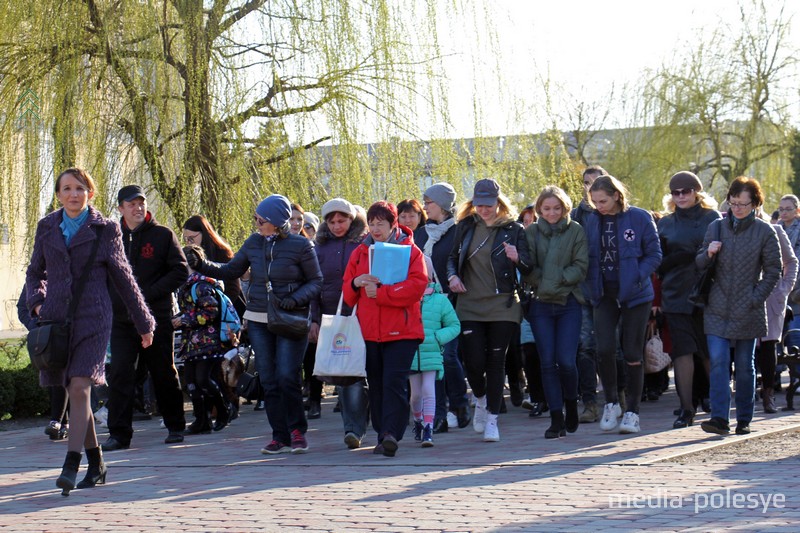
(452, 420)
(611, 414)
(630, 423)
(479, 418)
(490, 432)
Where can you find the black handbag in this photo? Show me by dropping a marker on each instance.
(49, 342)
(48, 345)
(293, 324)
(702, 287)
(249, 385)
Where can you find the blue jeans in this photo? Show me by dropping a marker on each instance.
(557, 330)
(587, 357)
(354, 403)
(453, 387)
(719, 350)
(388, 366)
(278, 362)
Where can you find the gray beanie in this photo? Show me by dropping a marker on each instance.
(338, 205)
(443, 195)
(311, 218)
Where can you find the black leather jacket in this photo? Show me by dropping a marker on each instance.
(504, 275)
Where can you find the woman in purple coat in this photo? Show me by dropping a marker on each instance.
(61, 250)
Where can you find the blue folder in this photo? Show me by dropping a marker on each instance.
(390, 262)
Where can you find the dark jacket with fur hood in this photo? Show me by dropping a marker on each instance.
(333, 253)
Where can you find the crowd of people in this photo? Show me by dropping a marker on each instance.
(546, 300)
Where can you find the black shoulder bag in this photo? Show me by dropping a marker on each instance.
(293, 324)
(702, 287)
(48, 342)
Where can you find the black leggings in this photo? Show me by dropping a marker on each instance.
(203, 377)
(767, 359)
(484, 346)
(633, 323)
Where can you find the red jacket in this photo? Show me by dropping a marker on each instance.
(395, 313)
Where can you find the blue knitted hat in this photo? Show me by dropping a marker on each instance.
(275, 209)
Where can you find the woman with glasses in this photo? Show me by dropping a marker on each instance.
(681, 232)
(623, 254)
(748, 266)
(287, 263)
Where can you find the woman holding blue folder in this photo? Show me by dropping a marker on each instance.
(489, 248)
(391, 323)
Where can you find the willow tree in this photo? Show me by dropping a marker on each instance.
(198, 99)
(731, 91)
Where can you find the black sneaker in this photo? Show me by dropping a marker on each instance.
(716, 425)
(113, 444)
(440, 426)
(742, 428)
(174, 437)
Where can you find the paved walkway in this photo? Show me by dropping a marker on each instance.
(586, 481)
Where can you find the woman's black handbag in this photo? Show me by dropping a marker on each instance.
(48, 345)
(702, 287)
(293, 324)
(49, 342)
(249, 384)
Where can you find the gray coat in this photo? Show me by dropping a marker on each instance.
(776, 303)
(747, 269)
(53, 270)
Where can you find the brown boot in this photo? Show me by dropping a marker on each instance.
(768, 397)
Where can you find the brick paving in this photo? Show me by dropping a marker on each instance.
(589, 480)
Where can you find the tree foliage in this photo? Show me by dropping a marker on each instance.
(729, 93)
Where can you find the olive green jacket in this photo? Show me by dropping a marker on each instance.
(560, 258)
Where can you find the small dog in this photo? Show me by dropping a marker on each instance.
(232, 369)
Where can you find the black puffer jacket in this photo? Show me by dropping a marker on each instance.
(295, 271)
(505, 277)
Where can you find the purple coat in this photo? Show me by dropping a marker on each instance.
(49, 280)
(333, 253)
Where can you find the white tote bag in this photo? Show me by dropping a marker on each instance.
(340, 347)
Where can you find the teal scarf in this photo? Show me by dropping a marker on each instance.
(70, 226)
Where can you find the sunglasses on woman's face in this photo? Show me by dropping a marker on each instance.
(260, 221)
(682, 192)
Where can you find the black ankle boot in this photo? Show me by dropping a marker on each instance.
(571, 421)
(223, 414)
(685, 419)
(201, 423)
(556, 428)
(69, 473)
(96, 473)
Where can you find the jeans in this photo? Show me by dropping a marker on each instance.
(557, 329)
(453, 388)
(587, 357)
(720, 393)
(278, 362)
(126, 354)
(484, 346)
(388, 366)
(354, 403)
